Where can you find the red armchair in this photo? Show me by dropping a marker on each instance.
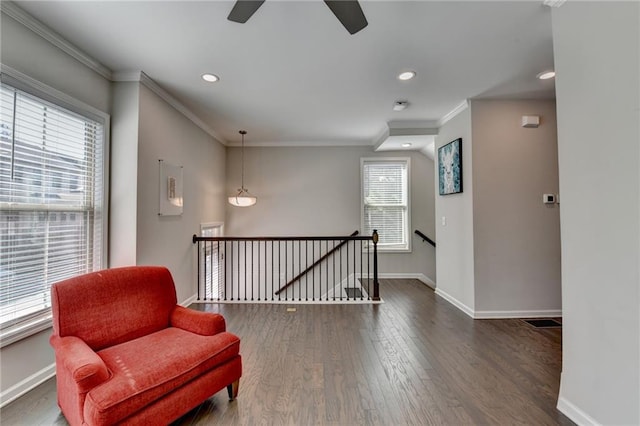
(126, 353)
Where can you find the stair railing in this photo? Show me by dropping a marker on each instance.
(316, 263)
(288, 269)
(425, 238)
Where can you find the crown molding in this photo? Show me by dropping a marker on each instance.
(412, 124)
(413, 132)
(149, 83)
(127, 76)
(303, 144)
(381, 138)
(180, 107)
(451, 114)
(12, 10)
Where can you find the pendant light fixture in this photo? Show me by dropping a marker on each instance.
(242, 198)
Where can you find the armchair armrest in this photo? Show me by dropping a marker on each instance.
(203, 323)
(80, 362)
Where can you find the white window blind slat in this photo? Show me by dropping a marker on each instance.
(50, 201)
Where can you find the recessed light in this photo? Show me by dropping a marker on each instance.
(406, 145)
(211, 78)
(407, 75)
(546, 75)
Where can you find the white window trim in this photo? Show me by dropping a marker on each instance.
(29, 85)
(209, 225)
(382, 249)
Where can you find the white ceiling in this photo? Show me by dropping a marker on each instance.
(292, 75)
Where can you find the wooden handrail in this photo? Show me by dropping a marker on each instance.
(316, 263)
(425, 238)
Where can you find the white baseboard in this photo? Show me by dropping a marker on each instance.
(517, 314)
(455, 302)
(294, 302)
(576, 415)
(189, 300)
(409, 276)
(24, 386)
(551, 313)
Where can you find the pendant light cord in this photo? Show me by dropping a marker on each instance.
(242, 132)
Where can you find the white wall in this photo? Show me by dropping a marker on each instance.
(455, 257)
(31, 359)
(516, 237)
(316, 191)
(597, 60)
(166, 134)
(124, 177)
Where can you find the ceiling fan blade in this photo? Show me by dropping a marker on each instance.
(349, 13)
(243, 9)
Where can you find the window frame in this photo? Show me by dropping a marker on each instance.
(41, 320)
(204, 251)
(406, 248)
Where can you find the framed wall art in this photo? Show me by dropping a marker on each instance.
(450, 167)
(171, 200)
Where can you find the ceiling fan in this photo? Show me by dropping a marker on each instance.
(348, 12)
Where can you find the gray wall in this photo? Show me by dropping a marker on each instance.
(455, 259)
(316, 191)
(499, 245)
(144, 129)
(516, 237)
(26, 52)
(597, 58)
(166, 134)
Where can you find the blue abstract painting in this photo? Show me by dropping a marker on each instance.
(450, 167)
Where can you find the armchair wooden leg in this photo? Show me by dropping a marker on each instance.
(232, 389)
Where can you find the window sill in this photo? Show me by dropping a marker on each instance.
(394, 249)
(22, 331)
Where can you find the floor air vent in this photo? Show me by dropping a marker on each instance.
(353, 292)
(544, 323)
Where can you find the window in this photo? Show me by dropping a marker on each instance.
(51, 204)
(385, 201)
(211, 262)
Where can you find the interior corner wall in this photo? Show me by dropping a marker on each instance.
(516, 236)
(26, 362)
(27, 52)
(123, 182)
(307, 191)
(597, 60)
(165, 133)
(454, 238)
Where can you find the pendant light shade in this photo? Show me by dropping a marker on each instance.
(242, 198)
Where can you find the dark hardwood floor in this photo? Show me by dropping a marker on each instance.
(414, 360)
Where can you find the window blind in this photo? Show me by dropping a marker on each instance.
(211, 259)
(50, 201)
(385, 201)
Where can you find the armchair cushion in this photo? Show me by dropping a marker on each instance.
(151, 366)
